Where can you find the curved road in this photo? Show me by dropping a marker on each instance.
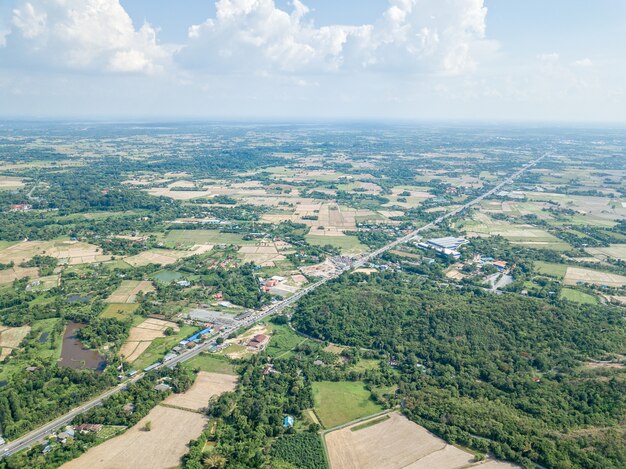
(43, 431)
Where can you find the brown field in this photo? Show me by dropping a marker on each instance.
(158, 256)
(206, 386)
(67, 252)
(8, 275)
(11, 338)
(10, 182)
(396, 443)
(616, 251)
(160, 448)
(261, 255)
(128, 290)
(574, 275)
(141, 336)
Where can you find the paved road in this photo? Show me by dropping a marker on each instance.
(43, 431)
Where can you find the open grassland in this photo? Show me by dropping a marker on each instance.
(129, 289)
(199, 237)
(396, 443)
(211, 363)
(347, 244)
(578, 296)
(160, 448)
(576, 275)
(339, 402)
(161, 256)
(119, 311)
(204, 388)
(141, 337)
(551, 269)
(11, 338)
(283, 341)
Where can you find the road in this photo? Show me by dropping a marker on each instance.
(43, 431)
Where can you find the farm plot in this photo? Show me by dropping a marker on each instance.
(67, 252)
(576, 275)
(339, 402)
(10, 183)
(616, 251)
(396, 443)
(347, 244)
(15, 273)
(204, 237)
(160, 448)
(120, 311)
(11, 338)
(158, 256)
(141, 336)
(260, 255)
(204, 388)
(129, 289)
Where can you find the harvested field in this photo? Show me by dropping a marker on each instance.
(129, 289)
(119, 311)
(15, 273)
(261, 255)
(141, 336)
(160, 448)
(347, 244)
(11, 338)
(396, 443)
(10, 182)
(616, 251)
(575, 275)
(67, 252)
(158, 256)
(206, 386)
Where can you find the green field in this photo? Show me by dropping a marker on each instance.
(211, 363)
(366, 364)
(347, 244)
(551, 269)
(283, 341)
(166, 276)
(119, 311)
(160, 346)
(191, 237)
(340, 402)
(578, 296)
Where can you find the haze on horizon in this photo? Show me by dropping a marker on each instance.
(308, 59)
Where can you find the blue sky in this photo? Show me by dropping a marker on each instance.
(557, 60)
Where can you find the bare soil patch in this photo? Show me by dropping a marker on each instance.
(129, 289)
(204, 388)
(11, 338)
(141, 336)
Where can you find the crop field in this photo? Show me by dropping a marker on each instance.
(10, 183)
(575, 275)
(578, 296)
(339, 402)
(347, 244)
(160, 448)
(129, 289)
(16, 273)
(283, 340)
(616, 251)
(396, 443)
(141, 336)
(119, 311)
(204, 388)
(67, 252)
(211, 363)
(195, 237)
(551, 269)
(260, 255)
(157, 256)
(154, 349)
(11, 338)
(600, 208)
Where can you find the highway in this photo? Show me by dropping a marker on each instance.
(40, 433)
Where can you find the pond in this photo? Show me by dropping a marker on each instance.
(75, 355)
(75, 298)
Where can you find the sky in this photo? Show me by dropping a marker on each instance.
(494, 60)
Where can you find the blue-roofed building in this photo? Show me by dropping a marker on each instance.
(287, 421)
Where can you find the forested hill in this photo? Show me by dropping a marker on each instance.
(498, 373)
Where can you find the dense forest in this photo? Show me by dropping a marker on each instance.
(498, 373)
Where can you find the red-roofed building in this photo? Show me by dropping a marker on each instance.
(259, 341)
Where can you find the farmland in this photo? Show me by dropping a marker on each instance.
(129, 289)
(340, 402)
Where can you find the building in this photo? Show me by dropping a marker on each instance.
(500, 265)
(288, 421)
(259, 341)
(162, 387)
(21, 207)
(449, 242)
(89, 427)
(183, 283)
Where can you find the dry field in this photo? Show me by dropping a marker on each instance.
(616, 251)
(206, 386)
(164, 256)
(260, 255)
(11, 338)
(324, 269)
(8, 275)
(10, 182)
(141, 336)
(396, 443)
(129, 289)
(67, 252)
(160, 448)
(576, 274)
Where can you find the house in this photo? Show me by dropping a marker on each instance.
(288, 421)
(89, 427)
(259, 341)
(21, 207)
(500, 265)
(218, 296)
(162, 387)
(183, 283)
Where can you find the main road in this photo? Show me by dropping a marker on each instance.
(40, 433)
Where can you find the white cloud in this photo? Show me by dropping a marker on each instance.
(412, 35)
(586, 62)
(549, 57)
(83, 35)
